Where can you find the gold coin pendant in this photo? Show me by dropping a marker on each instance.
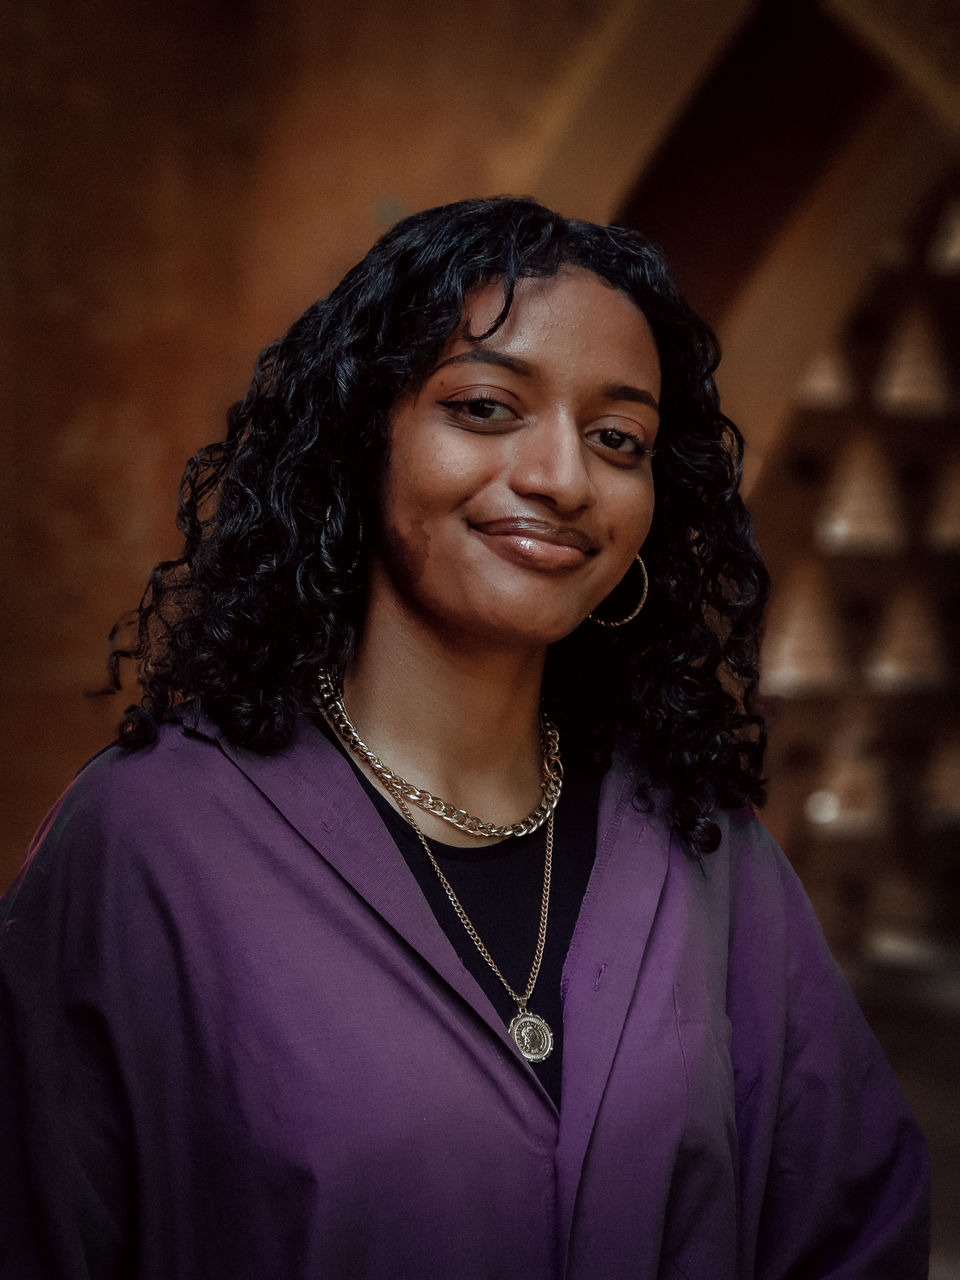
(532, 1036)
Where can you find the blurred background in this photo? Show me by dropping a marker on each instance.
(179, 181)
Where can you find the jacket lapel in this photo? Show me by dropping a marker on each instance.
(603, 966)
(313, 786)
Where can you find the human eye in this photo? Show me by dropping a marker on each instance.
(627, 446)
(476, 410)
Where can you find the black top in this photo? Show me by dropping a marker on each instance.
(500, 887)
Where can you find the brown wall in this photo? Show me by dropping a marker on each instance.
(182, 179)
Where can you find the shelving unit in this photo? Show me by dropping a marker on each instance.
(858, 512)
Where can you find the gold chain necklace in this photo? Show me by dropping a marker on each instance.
(530, 1032)
(331, 704)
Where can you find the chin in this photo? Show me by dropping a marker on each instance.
(500, 613)
(521, 628)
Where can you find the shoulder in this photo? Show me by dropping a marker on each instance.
(119, 804)
(755, 857)
(116, 781)
(190, 774)
(762, 884)
(119, 792)
(141, 842)
(174, 805)
(747, 869)
(769, 905)
(791, 1007)
(775, 943)
(130, 818)
(751, 915)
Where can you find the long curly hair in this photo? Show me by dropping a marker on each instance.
(270, 583)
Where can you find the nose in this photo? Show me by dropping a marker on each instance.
(549, 463)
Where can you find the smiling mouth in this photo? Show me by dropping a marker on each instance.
(541, 531)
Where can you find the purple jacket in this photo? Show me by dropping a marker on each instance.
(237, 1044)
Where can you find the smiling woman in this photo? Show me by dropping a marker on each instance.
(520, 486)
(419, 923)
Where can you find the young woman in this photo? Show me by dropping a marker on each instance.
(419, 923)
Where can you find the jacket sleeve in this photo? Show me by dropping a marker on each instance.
(833, 1160)
(65, 1168)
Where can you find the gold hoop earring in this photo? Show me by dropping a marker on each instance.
(622, 622)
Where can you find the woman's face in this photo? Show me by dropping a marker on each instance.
(519, 487)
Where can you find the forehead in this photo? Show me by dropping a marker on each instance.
(573, 319)
(571, 288)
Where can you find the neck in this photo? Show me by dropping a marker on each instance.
(462, 724)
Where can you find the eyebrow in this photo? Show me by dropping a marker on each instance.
(623, 391)
(486, 355)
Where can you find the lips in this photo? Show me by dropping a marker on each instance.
(536, 544)
(539, 531)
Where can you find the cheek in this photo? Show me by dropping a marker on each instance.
(648, 513)
(432, 480)
(634, 516)
(404, 534)
(420, 495)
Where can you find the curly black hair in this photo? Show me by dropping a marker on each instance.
(268, 587)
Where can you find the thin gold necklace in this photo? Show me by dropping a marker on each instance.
(530, 1032)
(551, 783)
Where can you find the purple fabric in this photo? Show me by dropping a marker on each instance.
(237, 1044)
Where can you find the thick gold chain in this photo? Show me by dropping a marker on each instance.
(331, 704)
(520, 1001)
